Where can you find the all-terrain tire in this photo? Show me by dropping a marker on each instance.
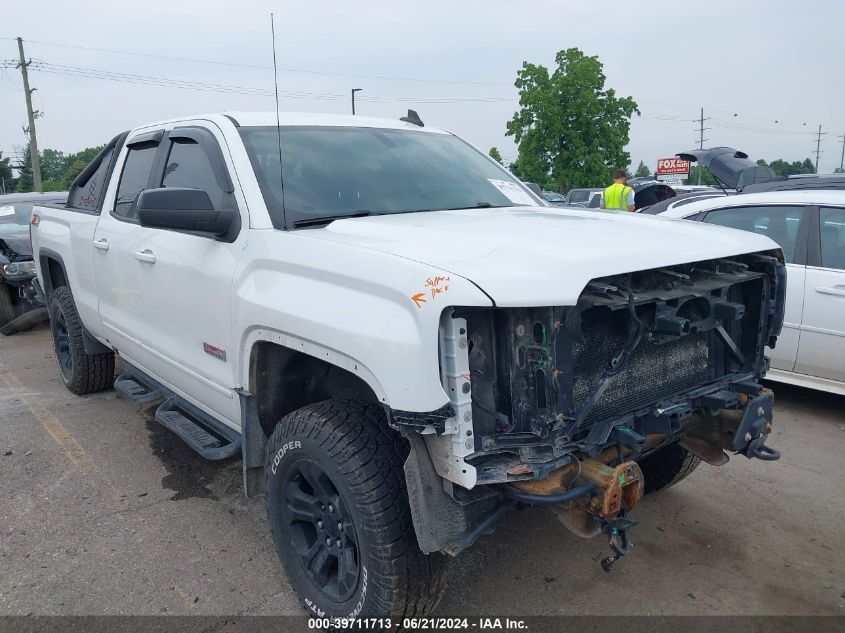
(667, 467)
(81, 372)
(361, 461)
(7, 307)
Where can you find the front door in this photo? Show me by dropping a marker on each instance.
(169, 307)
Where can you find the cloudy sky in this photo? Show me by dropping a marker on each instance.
(766, 73)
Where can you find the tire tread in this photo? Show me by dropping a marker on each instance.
(667, 467)
(91, 372)
(410, 583)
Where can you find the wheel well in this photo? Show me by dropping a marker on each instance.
(284, 380)
(54, 274)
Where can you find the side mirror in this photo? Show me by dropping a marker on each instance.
(183, 210)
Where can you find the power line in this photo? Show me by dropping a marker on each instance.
(732, 125)
(260, 67)
(94, 73)
(398, 78)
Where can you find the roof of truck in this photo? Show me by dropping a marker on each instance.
(261, 119)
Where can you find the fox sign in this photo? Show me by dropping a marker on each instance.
(672, 167)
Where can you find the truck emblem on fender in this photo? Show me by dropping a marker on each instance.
(215, 351)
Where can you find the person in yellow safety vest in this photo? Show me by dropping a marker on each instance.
(618, 195)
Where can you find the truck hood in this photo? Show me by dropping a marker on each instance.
(539, 256)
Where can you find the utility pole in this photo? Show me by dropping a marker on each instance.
(354, 90)
(701, 139)
(819, 146)
(842, 160)
(33, 141)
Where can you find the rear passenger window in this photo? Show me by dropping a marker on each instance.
(832, 234)
(188, 166)
(133, 179)
(87, 196)
(780, 223)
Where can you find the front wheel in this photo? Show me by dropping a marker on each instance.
(667, 466)
(81, 372)
(338, 509)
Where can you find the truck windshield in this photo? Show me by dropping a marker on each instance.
(346, 171)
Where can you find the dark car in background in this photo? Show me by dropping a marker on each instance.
(581, 197)
(555, 198)
(21, 301)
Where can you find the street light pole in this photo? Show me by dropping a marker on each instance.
(354, 90)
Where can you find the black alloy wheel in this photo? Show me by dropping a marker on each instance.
(61, 345)
(321, 530)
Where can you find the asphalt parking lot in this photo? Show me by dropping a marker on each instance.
(102, 511)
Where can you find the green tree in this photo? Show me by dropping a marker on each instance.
(53, 164)
(495, 155)
(706, 176)
(24, 167)
(571, 131)
(75, 163)
(73, 170)
(785, 168)
(642, 171)
(58, 169)
(7, 178)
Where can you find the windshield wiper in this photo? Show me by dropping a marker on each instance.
(477, 205)
(328, 219)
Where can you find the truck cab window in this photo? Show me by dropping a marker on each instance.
(188, 166)
(133, 180)
(87, 196)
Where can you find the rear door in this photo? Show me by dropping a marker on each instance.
(120, 297)
(788, 225)
(821, 351)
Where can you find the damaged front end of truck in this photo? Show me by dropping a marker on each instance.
(558, 406)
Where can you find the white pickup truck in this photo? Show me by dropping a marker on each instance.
(400, 340)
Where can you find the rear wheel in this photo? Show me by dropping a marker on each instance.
(81, 372)
(339, 513)
(667, 467)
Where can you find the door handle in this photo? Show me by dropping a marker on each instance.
(101, 244)
(145, 256)
(837, 292)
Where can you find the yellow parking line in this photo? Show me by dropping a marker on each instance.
(74, 451)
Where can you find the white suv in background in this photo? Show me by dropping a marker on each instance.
(810, 227)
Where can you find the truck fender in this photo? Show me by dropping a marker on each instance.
(333, 357)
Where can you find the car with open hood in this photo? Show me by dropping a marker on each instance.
(21, 303)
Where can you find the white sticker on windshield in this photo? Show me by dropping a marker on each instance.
(513, 192)
(4, 211)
